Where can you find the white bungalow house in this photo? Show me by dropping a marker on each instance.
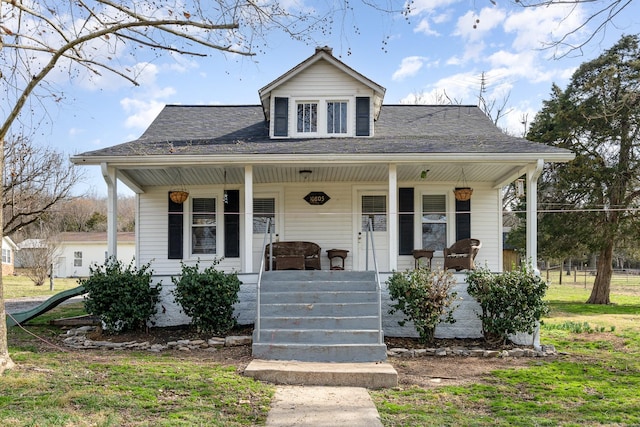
(320, 155)
(77, 251)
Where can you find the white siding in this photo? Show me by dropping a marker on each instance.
(153, 235)
(328, 225)
(322, 78)
(486, 225)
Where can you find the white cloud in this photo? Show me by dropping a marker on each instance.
(425, 6)
(409, 67)
(474, 26)
(518, 120)
(75, 131)
(536, 28)
(141, 112)
(424, 27)
(461, 88)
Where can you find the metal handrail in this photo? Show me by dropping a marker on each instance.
(268, 233)
(377, 272)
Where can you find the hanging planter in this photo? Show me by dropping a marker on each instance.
(463, 192)
(178, 196)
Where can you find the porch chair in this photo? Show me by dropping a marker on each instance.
(461, 254)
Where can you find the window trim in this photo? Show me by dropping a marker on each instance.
(449, 217)
(6, 256)
(188, 225)
(317, 123)
(346, 118)
(321, 128)
(77, 258)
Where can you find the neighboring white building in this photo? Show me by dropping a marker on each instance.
(77, 251)
(8, 256)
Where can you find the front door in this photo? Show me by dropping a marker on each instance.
(372, 209)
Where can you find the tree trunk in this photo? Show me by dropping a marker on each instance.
(602, 284)
(5, 359)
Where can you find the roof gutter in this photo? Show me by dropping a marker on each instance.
(243, 159)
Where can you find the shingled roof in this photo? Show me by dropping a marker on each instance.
(241, 129)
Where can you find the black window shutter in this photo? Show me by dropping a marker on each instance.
(281, 117)
(176, 230)
(463, 219)
(232, 224)
(362, 116)
(405, 221)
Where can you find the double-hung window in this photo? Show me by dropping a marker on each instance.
(6, 256)
(434, 221)
(336, 117)
(307, 117)
(203, 226)
(77, 258)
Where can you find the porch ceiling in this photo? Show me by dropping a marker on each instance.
(264, 174)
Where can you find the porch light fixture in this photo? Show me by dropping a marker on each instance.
(180, 194)
(520, 187)
(463, 192)
(304, 173)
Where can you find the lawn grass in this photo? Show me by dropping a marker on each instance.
(56, 387)
(22, 286)
(594, 381)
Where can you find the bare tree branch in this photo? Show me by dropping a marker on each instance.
(602, 17)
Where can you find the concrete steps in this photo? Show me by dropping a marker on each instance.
(369, 375)
(319, 316)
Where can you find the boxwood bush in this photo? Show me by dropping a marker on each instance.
(425, 298)
(511, 301)
(122, 297)
(208, 297)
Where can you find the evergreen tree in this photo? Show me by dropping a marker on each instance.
(591, 201)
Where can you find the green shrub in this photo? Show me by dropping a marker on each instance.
(122, 297)
(511, 301)
(208, 297)
(424, 297)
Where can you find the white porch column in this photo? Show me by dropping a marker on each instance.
(392, 208)
(247, 257)
(109, 174)
(532, 213)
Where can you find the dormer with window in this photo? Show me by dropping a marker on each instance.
(321, 98)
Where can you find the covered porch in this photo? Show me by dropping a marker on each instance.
(325, 202)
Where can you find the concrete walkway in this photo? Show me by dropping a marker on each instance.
(319, 406)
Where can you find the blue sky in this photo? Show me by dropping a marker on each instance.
(437, 51)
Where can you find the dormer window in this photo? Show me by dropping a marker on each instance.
(336, 117)
(321, 117)
(307, 117)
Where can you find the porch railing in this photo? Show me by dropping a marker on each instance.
(267, 234)
(369, 236)
(268, 237)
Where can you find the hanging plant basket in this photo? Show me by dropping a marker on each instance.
(178, 196)
(463, 193)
